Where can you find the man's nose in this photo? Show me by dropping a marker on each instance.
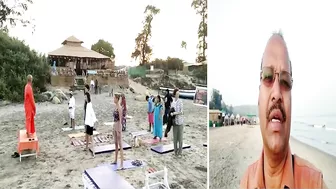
(276, 90)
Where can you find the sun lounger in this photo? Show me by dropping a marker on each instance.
(107, 148)
(79, 127)
(163, 173)
(127, 165)
(162, 149)
(25, 143)
(104, 177)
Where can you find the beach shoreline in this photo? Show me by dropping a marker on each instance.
(232, 149)
(60, 164)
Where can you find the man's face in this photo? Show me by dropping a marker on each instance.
(275, 100)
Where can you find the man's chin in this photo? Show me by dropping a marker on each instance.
(276, 146)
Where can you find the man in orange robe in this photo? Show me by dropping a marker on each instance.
(30, 108)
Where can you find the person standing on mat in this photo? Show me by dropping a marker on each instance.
(124, 111)
(158, 122)
(168, 101)
(150, 113)
(86, 90)
(72, 104)
(178, 125)
(30, 108)
(117, 130)
(90, 120)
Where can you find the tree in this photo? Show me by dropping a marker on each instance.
(104, 47)
(17, 61)
(142, 48)
(184, 45)
(201, 7)
(12, 13)
(216, 100)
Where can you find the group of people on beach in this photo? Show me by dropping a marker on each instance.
(171, 114)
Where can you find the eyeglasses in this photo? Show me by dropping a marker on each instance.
(268, 75)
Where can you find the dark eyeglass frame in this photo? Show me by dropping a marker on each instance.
(282, 80)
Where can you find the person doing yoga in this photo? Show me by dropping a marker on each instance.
(117, 130)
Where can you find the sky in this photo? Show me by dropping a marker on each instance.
(116, 21)
(238, 33)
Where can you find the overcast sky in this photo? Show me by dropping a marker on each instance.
(116, 21)
(238, 32)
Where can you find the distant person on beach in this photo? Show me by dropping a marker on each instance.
(90, 120)
(29, 106)
(117, 130)
(178, 125)
(158, 115)
(124, 111)
(150, 109)
(277, 167)
(96, 86)
(72, 104)
(168, 100)
(92, 85)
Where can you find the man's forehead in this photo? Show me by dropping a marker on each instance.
(276, 51)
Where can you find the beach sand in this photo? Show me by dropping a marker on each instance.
(234, 148)
(60, 164)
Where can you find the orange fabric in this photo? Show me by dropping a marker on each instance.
(30, 108)
(25, 144)
(305, 175)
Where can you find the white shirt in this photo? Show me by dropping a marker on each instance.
(72, 102)
(90, 117)
(178, 106)
(92, 82)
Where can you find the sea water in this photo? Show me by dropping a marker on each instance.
(316, 131)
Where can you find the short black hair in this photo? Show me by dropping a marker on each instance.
(147, 97)
(159, 98)
(87, 86)
(88, 97)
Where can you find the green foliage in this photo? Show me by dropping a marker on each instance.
(168, 64)
(104, 47)
(16, 62)
(216, 100)
(201, 7)
(12, 13)
(142, 50)
(201, 72)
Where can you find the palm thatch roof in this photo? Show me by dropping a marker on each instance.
(72, 47)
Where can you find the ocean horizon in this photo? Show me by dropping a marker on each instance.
(318, 131)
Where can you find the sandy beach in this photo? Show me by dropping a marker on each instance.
(61, 164)
(234, 148)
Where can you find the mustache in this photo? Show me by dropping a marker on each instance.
(276, 106)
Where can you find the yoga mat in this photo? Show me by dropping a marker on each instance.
(127, 165)
(104, 177)
(78, 135)
(162, 149)
(108, 148)
(79, 127)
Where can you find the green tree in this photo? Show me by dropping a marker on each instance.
(184, 45)
(104, 47)
(216, 100)
(201, 7)
(142, 49)
(17, 61)
(12, 13)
